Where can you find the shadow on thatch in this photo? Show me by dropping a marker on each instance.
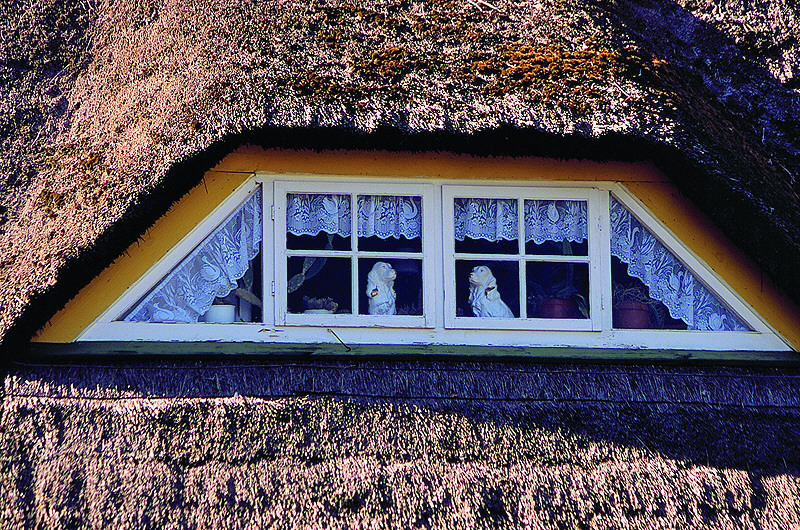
(403, 444)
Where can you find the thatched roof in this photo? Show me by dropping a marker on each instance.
(333, 444)
(111, 110)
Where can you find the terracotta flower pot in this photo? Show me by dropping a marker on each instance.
(632, 315)
(558, 308)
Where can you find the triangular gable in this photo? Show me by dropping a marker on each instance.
(221, 265)
(667, 279)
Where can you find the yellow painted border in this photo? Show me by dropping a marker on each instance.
(643, 180)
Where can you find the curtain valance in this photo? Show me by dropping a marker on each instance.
(211, 270)
(668, 280)
(496, 219)
(383, 216)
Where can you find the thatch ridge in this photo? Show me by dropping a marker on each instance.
(106, 105)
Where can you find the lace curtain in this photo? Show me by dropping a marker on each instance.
(668, 280)
(383, 216)
(211, 270)
(545, 220)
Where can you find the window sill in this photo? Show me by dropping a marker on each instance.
(386, 352)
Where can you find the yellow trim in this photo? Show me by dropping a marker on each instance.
(110, 284)
(642, 179)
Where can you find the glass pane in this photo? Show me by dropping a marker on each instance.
(666, 278)
(318, 285)
(318, 221)
(557, 248)
(222, 270)
(243, 304)
(390, 287)
(487, 288)
(555, 227)
(321, 241)
(390, 223)
(487, 226)
(557, 290)
(633, 307)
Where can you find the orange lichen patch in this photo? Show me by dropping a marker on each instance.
(92, 161)
(322, 87)
(551, 71)
(50, 201)
(392, 64)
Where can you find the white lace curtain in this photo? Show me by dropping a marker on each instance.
(496, 219)
(383, 216)
(211, 270)
(668, 280)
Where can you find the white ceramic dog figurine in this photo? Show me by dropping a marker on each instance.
(484, 296)
(380, 289)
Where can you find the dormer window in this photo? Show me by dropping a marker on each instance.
(416, 261)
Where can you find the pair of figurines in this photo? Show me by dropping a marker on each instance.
(483, 294)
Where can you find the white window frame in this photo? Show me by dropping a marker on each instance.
(437, 326)
(593, 257)
(427, 256)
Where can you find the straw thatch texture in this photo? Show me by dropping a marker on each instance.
(111, 110)
(399, 445)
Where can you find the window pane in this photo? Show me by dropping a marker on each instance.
(633, 307)
(223, 269)
(321, 241)
(557, 290)
(667, 279)
(557, 248)
(390, 223)
(487, 288)
(389, 287)
(318, 222)
(486, 226)
(243, 303)
(556, 227)
(318, 285)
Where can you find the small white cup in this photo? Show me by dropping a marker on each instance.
(220, 314)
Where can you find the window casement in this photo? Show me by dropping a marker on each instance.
(330, 240)
(300, 258)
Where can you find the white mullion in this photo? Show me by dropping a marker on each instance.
(433, 248)
(391, 255)
(448, 257)
(318, 253)
(354, 253)
(555, 258)
(521, 263)
(267, 248)
(280, 255)
(600, 289)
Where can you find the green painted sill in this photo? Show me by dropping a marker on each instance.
(412, 351)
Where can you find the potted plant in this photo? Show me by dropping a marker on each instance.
(632, 305)
(319, 305)
(557, 300)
